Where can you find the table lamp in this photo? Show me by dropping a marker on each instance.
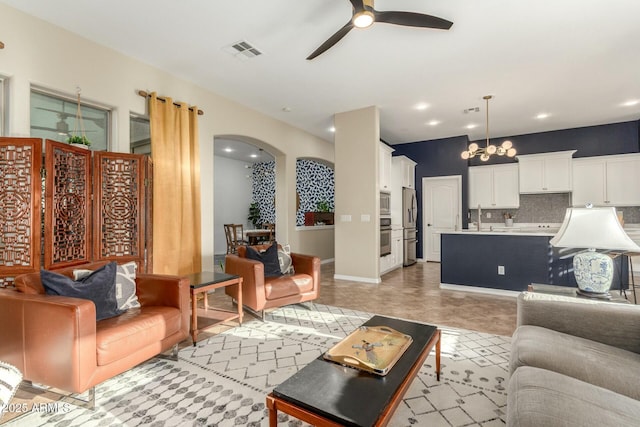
(591, 229)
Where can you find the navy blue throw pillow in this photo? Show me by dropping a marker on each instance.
(98, 287)
(269, 258)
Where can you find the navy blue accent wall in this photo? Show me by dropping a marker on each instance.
(616, 138)
(438, 157)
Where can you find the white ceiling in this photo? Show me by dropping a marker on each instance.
(576, 60)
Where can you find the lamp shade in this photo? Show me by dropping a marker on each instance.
(597, 228)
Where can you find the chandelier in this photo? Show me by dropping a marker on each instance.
(506, 148)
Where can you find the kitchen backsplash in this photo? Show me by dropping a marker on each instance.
(544, 208)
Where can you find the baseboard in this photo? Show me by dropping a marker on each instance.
(480, 290)
(357, 279)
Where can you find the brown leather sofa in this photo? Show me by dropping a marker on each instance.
(260, 292)
(56, 341)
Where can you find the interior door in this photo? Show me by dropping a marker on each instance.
(442, 201)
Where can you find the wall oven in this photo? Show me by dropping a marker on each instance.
(385, 236)
(385, 203)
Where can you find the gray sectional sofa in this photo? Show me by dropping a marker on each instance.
(574, 362)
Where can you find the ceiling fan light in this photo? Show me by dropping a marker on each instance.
(473, 147)
(363, 19)
(511, 152)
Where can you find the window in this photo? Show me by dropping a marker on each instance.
(54, 117)
(140, 134)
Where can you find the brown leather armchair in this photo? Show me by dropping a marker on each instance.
(56, 341)
(260, 292)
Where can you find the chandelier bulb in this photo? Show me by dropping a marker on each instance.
(464, 155)
(484, 157)
(473, 147)
(511, 152)
(491, 149)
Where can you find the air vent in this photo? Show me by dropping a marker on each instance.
(242, 50)
(472, 110)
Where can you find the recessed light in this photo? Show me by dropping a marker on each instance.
(542, 116)
(228, 149)
(631, 103)
(332, 129)
(253, 156)
(421, 106)
(433, 122)
(471, 126)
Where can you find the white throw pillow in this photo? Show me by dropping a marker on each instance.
(284, 258)
(125, 284)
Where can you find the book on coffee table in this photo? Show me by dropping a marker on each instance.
(373, 349)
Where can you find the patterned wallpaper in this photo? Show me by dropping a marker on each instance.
(314, 183)
(264, 190)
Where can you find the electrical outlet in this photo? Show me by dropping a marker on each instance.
(488, 215)
(501, 270)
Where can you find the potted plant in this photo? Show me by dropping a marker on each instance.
(322, 215)
(79, 141)
(254, 214)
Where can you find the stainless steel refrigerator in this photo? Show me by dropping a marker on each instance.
(409, 215)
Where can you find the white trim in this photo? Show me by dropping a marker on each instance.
(327, 261)
(314, 227)
(480, 290)
(357, 279)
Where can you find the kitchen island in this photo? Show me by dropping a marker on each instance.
(504, 260)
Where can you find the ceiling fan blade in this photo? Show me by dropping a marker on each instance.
(412, 19)
(331, 41)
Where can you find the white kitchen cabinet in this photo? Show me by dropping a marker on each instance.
(395, 259)
(494, 187)
(607, 180)
(408, 170)
(384, 170)
(546, 172)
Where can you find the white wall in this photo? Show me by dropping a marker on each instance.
(38, 53)
(232, 187)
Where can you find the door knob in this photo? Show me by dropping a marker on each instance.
(428, 225)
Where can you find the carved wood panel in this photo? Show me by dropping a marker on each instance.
(20, 206)
(119, 207)
(67, 236)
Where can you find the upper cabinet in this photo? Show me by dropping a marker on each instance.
(384, 170)
(546, 172)
(407, 170)
(607, 180)
(494, 187)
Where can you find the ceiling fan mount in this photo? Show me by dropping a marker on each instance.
(364, 15)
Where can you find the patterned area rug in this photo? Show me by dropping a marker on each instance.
(223, 381)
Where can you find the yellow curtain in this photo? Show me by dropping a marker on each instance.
(176, 187)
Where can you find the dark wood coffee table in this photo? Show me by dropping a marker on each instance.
(324, 393)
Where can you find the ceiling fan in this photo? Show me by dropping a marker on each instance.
(365, 15)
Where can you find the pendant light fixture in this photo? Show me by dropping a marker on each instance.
(506, 148)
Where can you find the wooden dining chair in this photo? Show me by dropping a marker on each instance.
(272, 231)
(235, 237)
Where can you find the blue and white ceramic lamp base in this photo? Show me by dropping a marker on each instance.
(594, 272)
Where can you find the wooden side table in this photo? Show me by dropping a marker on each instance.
(206, 281)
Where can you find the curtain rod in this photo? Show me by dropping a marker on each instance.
(145, 94)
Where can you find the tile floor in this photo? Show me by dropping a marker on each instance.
(414, 293)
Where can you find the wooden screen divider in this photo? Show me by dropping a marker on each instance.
(97, 206)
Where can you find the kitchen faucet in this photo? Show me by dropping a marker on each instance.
(479, 218)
